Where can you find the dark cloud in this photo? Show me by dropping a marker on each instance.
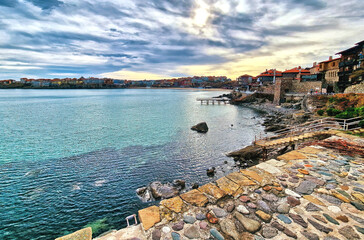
(46, 4)
(145, 35)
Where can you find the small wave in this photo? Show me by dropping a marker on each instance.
(76, 187)
(99, 183)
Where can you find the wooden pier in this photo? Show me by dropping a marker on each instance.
(213, 100)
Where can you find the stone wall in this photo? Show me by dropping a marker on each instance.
(358, 88)
(305, 87)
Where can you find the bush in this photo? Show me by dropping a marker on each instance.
(346, 115)
(361, 124)
(332, 111)
(320, 112)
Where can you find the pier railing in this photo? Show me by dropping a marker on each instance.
(314, 126)
(213, 100)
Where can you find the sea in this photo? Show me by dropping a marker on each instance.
(74, 158)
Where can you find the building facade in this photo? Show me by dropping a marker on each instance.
(351, 66)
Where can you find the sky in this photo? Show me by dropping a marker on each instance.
(145, 39)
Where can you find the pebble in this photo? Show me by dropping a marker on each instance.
(230, 208)
(349, 233)
(270, 197)
(330, 186)
(312, 208)
(293, 201)
(211, 218)
(334, 209)
(156, 234)
(216, 234)
(250, 225)
(283, 208)
(331, 199)
(306, 187)
(303, 171)
(264, 216)
(358, 189)
(263, 206)
(242, 209)
(319, 218)
(289, 233)
(357, 219)
(203, 225)
(310, 235)
(267, 188)
(244, 199)
(220, 213)
(258, 191)
(291, 193)
(330, 219)
(280, 227)
(293, 180)
(269, 232)
(252, 205)
(343, 218)
(359, 229)
(200, 216)
(331, 238)
(358, 206)
(298, 219)
(166, 229)
(325, 173)
(176, 236)
(192, 232)
(178, 226)
(189, 219)
(284, 219)
(319, 226)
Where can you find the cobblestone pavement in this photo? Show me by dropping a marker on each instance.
(311, 193)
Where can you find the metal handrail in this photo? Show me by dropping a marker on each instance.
(313, 126)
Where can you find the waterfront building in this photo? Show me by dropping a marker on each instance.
(330, 70)
(351, 66)
(296, 73)
(7, 82)
(245, 80)
(269, 76)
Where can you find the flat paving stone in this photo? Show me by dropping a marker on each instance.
(227, 185)
(195, 197)
(212, 190)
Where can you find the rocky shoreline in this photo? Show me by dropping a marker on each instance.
(315, 192)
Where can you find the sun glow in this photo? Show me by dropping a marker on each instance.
(201, 14)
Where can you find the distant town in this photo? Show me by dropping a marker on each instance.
(332, 75)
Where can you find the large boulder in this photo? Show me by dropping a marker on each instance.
(162, 191)
(158, 190)
(249, 152)
(201, 127)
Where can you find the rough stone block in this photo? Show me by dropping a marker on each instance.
(149, 216)
(195, 197)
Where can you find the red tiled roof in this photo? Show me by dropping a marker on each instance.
(330, 60)
(297, 70)
(270, 73)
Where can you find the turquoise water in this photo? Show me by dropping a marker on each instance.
(69, 158)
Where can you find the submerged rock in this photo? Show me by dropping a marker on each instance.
(201, 127)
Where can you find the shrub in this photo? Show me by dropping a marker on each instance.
(320, 112)
(332, 111)
(361, 124)
(346, 115)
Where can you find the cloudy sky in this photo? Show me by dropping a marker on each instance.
(152, 39)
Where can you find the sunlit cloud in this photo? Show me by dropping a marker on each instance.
(157, 39)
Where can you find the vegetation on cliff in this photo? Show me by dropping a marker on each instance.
(342, 105)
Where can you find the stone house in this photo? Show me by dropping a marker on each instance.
(330, 71)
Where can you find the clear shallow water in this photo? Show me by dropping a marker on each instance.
(69, 158)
